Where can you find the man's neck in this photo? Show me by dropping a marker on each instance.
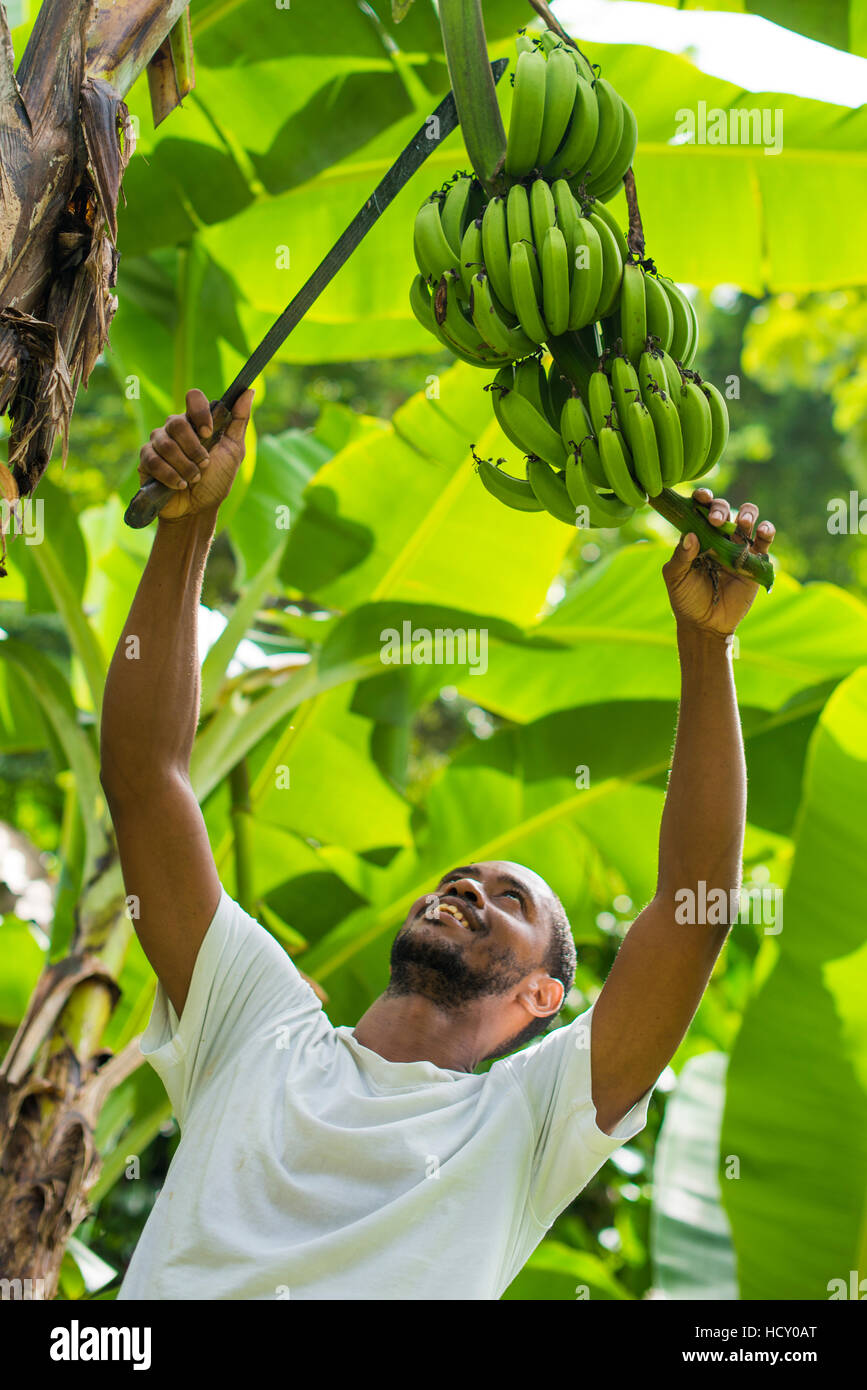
(409, 1028)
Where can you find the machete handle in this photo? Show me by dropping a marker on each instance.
(153, 495)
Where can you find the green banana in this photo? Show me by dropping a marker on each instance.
(626, 391)
(633, 312)
(568, 216)
(580, 138)
(696, 424)
(615, 464)
(576, 431)
(471, 254)
(514, 492)
(675, 380)
(455, 211)
(543, 211)
(575, 423)
(660, 320)
(607, 182)
(525, 43)
(599, 400)
(525, 426)
(528, 113)
(685, 317)
(457, 324)
(555, 282)
(585, 69)
(550, 489)
(652, 368)
(561, 80)
(644, 449)
(683, 327)
(693, 342)
(491, 322)
(531, 381)
(669, 439)
(495, 249)
(595, 205)
(607, 513)
(422, 306)
(433, 254)
(610, 133)
(588, 268)
(720, 422)
(523, 292)
(612, 267)
(519, 227)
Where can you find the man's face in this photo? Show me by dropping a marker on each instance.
(484, 929)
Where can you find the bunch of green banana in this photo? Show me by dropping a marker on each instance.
(567, 122)
(631, 433)
(652, 306)
(532, 268)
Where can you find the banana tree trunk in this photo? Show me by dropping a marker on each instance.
(65, 140)
(53, 1082)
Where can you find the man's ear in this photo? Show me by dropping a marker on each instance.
(543, 995)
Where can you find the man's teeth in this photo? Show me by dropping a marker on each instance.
(454, 912)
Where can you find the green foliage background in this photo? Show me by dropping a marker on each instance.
(364, 432)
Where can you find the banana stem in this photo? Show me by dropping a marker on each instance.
(466, 51)
(635, 237)
(733, 554)
(544, 12)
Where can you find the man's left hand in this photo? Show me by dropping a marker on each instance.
(692, 591)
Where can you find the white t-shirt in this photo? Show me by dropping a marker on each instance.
(309, 1167)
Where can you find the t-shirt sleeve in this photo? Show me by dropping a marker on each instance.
(244, 986)
(554, 1075)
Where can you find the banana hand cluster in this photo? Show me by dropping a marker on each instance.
(531, 268)
(566, 122)
(652, 305)
(595, 456)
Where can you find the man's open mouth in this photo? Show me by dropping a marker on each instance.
(464, 916)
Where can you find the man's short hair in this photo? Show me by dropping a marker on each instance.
(560, 962)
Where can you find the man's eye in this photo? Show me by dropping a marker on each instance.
(510, 893)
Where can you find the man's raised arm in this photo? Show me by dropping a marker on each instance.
(663, 967)
(151, 705)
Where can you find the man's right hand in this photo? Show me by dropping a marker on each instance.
(176, 456)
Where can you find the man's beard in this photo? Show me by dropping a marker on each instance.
(437, 971)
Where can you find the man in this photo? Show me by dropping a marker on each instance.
(374, 1162)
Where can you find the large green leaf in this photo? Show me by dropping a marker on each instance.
(49, 689)
(772, 211)
(403, 515)
(796, 1110)
(23, 960)
(619, 643)
(690, 1237)
(556, 1271)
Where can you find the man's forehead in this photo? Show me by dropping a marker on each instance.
(506, 868)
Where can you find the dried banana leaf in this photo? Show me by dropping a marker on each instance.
(65, 140)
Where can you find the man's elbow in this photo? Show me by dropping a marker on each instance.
(124, 786)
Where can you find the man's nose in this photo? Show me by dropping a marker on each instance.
(466, 888)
